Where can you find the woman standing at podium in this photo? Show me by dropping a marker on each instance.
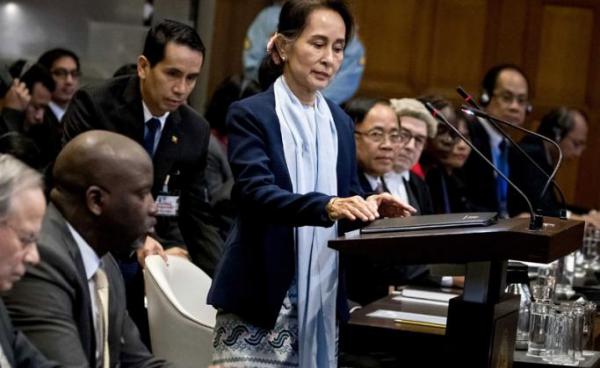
(293, 158)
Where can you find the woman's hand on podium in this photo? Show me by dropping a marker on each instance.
(389, 205)
(351, 208)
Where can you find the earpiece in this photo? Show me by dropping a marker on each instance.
(563, 125)
(484, 99)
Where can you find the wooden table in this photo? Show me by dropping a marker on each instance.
(482, 323)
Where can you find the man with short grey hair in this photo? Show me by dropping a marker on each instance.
(22, 207)
(417, 124)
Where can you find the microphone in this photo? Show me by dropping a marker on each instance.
(550, 180)
(471, 101)
(535, 220)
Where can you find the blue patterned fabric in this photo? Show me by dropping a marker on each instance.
(240, 344)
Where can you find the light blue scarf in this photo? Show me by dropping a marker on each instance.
(310, 146)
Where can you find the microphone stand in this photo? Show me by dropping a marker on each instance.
(563, 211)
(536, 221)
(550, 179)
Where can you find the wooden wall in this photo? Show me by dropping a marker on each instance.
(232, 19)
(419, 47)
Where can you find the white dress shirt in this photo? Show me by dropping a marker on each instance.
(395, 183)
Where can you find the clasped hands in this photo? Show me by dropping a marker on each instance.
(375, 206)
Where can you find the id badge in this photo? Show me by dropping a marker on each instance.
(167, 205)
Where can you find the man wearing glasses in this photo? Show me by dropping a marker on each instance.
(390, 136)
(22, 207)
(416, 125)
(505, 96)
(569, 128)
(64, 66)
(378, 138)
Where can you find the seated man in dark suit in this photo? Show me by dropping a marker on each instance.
(505, 94)
(417, 124)
(72, 306)
(65, 68)
(568, 127)
(22, 207)
(26, 109)
(378, 140)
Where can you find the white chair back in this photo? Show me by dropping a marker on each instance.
(181, 322)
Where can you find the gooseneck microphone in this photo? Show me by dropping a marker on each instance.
(535, 220)
(550, 178)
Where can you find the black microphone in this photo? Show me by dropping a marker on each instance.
(535, 220)
(563, 211)
(550, 180)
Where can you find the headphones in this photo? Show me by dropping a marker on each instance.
(489, 84)
(557, 123)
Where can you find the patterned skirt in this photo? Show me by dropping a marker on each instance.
(240, 344)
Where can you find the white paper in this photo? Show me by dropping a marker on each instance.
(429, 295)
(401, 298)
(417, 317)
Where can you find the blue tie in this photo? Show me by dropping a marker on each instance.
(501, 184)
(152, 126)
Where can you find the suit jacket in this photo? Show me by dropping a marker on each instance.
(436, 179)
(364, 182)
(219, 181)
(116, 105)
(259, 261)
(52, 305)
(480, 179)
(531, 181)
(418, 195)
(368, 279)
(19, 351)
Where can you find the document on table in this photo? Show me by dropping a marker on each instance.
(411, 318)
(427, 294)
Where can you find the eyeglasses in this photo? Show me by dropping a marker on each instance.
(378, 135)
(26, 239)
(507, 98)
(446, 135)
(420, 140)
(62, 73)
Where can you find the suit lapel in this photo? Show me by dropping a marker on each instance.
(6, 336)
(413, 200)
(84, 325)
(130, 112)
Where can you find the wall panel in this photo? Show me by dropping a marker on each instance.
(430, 46)
(392, 39)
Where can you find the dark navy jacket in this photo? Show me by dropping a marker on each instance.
(259, 261)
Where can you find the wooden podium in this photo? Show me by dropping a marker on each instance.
(481, 323)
